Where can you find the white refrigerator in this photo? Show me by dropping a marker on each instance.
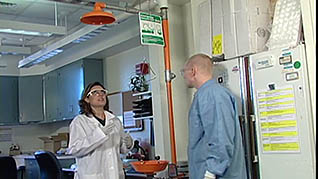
(283, 121)
(275, 113)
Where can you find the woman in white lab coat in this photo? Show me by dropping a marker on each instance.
(97, 137)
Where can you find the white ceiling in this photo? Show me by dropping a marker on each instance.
(53, 13)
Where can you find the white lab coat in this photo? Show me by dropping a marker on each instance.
(97, 155)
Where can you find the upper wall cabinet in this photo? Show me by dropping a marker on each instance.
(70, 82)
(93, 71)
(63, 87)
(9, 110)
(50, 96)
(30, 99)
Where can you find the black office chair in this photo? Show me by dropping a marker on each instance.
(8, 167)
(50, 167)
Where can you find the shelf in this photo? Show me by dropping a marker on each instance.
(142, 93)
(140, 118)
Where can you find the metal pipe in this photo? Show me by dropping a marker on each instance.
(169, 76)
(245, 113)
(131, 10)
(55, 13)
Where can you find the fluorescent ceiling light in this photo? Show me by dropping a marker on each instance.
(12, 31)
(22, 27)
(79, 36)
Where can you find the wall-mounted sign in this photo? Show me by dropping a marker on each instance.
(151, 29)
(217, 45)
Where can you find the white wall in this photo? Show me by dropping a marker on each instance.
(180, 94)
(196, 24)
(118, 69)
(26, 136)
(188, 30)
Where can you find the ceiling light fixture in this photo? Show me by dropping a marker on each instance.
(55, 48)
(25, 28)
(12, 31)
(91, 34)
(98, 16)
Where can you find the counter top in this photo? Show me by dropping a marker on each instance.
(24, 156)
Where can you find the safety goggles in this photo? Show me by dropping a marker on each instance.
(97, 92)
(182, 71)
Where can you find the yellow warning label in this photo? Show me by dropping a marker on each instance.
(294, 146)
(277, 97)
(278, 112)
(276, 104)
(279, 124)
(217, 45)
(280, 134)
(276, 91)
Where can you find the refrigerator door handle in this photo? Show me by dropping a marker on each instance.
(251, 122)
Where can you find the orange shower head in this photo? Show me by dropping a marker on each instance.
(98, 16)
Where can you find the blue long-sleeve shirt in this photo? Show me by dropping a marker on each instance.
(215, 142)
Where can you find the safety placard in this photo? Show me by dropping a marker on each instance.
(277, 119)
(151, 29)
(217, 45)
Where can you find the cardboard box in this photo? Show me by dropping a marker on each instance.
(54, 143)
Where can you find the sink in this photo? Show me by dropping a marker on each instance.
(149, 166)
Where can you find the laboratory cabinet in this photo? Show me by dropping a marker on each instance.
(63, 88)
(9, 110)
(30, 98)
(50, 96)
(70, 84)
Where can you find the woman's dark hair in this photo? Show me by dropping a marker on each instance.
(85, 108)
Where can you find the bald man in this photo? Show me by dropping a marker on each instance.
(215, 147)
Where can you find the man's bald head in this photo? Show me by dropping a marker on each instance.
(202, 62)
(197, 70)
